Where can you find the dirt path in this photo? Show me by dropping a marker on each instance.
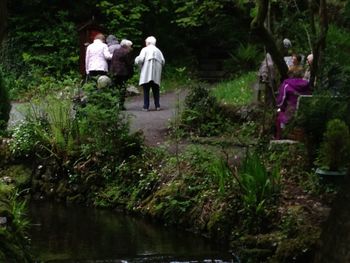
(154, 124)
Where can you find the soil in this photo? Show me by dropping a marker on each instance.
(154, 124)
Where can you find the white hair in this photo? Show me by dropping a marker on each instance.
(151, 40)
(287, 43)
(310, 58)
(126, 43)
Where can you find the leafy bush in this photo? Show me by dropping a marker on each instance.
(335, 149)
(202, 113)
(24, 139)
(245, 58)
(314, 113)
(48, 50)
(103, 128)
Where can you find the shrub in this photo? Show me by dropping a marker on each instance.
(202, 113)
(24, 139)
(335, 148)
(314, 113)
(103, 128)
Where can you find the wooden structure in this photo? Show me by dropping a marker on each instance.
(87, 33)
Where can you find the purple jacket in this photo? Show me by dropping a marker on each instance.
(289, 91)
(287, 98)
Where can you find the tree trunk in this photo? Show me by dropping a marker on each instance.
(259, 29)
(320, 40)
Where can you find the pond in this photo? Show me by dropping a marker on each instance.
(67, 234)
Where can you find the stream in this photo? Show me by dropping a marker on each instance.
(67, 234)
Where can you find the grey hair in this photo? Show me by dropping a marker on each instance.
(287, 43)
(126, 43)
(151, 40)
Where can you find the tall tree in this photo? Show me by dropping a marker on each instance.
(258, 27)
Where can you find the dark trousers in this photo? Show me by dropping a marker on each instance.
(120, 83)
(155, 91)
(94, 74)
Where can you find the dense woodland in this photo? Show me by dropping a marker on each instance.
(261, 199)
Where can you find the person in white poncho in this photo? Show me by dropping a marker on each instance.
(151, 61)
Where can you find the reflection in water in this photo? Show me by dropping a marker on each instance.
(80, 234)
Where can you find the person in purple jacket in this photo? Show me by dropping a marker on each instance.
(287, 100)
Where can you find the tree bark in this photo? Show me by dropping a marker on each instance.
(259, 29)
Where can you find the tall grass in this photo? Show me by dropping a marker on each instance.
(238, 91)
(55, 126)
(258, 188)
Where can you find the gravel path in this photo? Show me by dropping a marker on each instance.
(154, 124)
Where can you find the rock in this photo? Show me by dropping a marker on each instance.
(132, 90)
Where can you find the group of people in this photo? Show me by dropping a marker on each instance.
(297, 83)
(106, 56)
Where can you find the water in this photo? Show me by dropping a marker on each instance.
(67, 234)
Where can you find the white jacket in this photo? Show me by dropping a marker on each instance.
(96, 56)
(151, 61)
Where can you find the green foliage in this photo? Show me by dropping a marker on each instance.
(202, 114)
(237, 91)
(24, 139)
(222, 175)
(335, 148)
(289, 22)
(314, 113)
(193, 14)
(14, 245)
(244, 58)
(103, 128)
(334, 75)
(55, 129)
(125, 19)
(39, 48)
(52, 46)
(176, 78)
(5, 105)
(259, 187)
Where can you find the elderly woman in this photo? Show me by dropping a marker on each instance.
(309, 60)
(96, 57)
(151, 61)
(122, 68)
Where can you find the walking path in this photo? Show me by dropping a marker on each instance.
(154, 124)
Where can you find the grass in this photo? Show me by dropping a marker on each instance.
(238, 91)
(174, 78)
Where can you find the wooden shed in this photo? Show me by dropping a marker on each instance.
(87, 33)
